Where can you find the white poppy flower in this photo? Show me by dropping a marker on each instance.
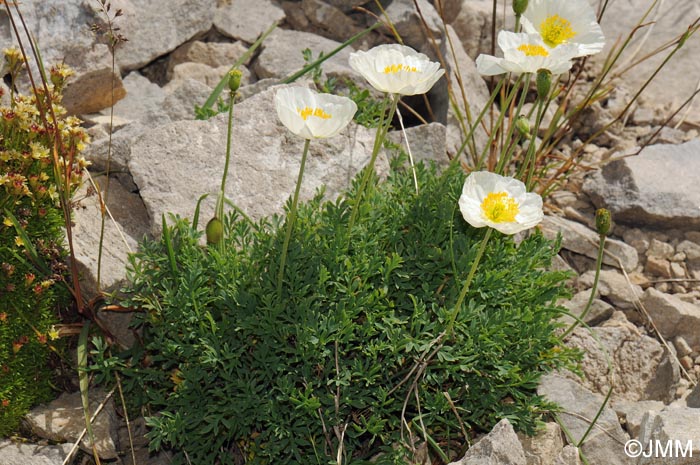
(311, 115)
(526, 53)
(565, 22)
(489, 199)
(397, 69)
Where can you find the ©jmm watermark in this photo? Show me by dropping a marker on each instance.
(672, 448)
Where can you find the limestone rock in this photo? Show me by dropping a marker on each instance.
(693, 399)
(647, 190)
(614, 287)
(281, 55)
(578, 238)
(677, 425)
(500, 447)
(213, 54)
(173, 165)
(568, 456)
(692, 253)
(408, 23)
(156, 27)
(206, 74)
(598, 313)
(473, 26)
(63, 419)
(346, 5)
(602, 446)
(144, 99)
(335, 24)
(427, 143)
(644, 370)
(246, 20)
(544, 447)
(182, 96)
(22, 453)
(633, 413)
(673, 317)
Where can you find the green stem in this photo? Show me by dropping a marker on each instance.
(222, 191)
(379, 138)
(291, 218)
(529, 164)
(598, 266)
(467, 283)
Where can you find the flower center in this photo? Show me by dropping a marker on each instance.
(391, 69)
(556, 30)
(317, 112)
(533, 50)
(500, 207)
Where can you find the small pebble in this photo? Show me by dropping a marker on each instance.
(687, 362)
(682, 347)
(660, 249)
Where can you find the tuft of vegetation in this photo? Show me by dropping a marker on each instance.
(32, 254)
(336, 368)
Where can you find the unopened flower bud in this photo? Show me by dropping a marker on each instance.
(602, 221)
(234, 79)
(522, 125)
(544, 82)
(214, 231)
(519, 6)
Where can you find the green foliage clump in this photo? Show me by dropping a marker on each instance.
(337, 367)
(32, 265)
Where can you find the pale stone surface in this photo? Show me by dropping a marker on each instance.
(644, 370)
(603, 444)
(63, 419)
(598, 312)
(246, 20)
(673, 317)
(182, 96)
(333, 22)
(427, 143)
(646, 190)
(175, 164)
(614, 287)
(578, 238)
(155, 28)
(568, 456)
(633, 413)
(543, 448)
(405, 18)
(22, 453)
(144, 99)
(500, 447)
(473, 26)
(213, 54)
(281, 55)
(206, 74)
(678, 425)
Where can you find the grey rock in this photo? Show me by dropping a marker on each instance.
(63, 34)
(473, 26)
(673, 317)
(679, 426)
(182, 96)
(671, 86)
(578, 238)
(644, 370)
(693, 399)
(646, 189)
(173, 165)
(580, 406)
(598, 312)
(658, 267)
(131, 220)
(206, 74)
(22, 453)
(63, 420)
(346, 5)
(246, 20)
(632, 413)
(213, 54)
(427, 143)
(542, 448)
(568, 456)
(155, 28)
(281, 55)
(99, 151)
(682, 347)
(691, 251)
(613, 285)
(408, 23)
(143, 101)
(470, 93)
(335, 24)
(659, 249)
(500, 447)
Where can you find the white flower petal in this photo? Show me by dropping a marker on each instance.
(396, 69)
(327, 114)
(526, 53)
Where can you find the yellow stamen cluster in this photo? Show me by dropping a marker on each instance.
(556, 30)
(533, 50)
(392, 69)
(500, 207)
(317, 112)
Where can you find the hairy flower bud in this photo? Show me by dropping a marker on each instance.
(234, 79)
(214, 231)
(519, 6)
(544, 82)
(602, 221)
(522, 125)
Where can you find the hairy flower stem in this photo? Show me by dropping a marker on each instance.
(291, 217)
(222, 191)
(382, 129)
(467, 283)
(530, 162)
(598, 266)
